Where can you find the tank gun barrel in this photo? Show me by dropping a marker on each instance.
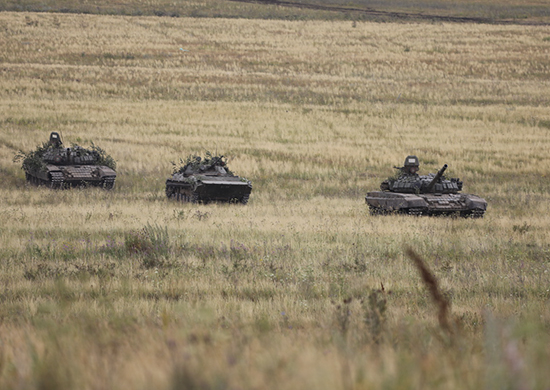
(436, 178)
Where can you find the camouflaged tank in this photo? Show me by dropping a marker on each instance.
(432, 194)
(206, 180)
(58, 167)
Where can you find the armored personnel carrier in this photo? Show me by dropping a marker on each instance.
(56, 166)
(206, 180)
(433, 194)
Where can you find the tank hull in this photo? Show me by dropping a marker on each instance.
(215, 189)
(465, 205)
(63, 176)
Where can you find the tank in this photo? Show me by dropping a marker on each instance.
(433, 194)
(207, 180)
(56, 166)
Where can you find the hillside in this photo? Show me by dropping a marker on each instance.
(473, 11)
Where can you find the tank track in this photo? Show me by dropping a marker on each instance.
(378, 211)
(193, 198)
(109, 182)
(37, 181)
(417, 212)
(33, 180)
(56, 181)
(476, 213)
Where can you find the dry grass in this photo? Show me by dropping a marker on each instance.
(286, 291)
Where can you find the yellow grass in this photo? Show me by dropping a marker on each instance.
(315, 114)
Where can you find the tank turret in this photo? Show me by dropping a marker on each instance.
(417, 184)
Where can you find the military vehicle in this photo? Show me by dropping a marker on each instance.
(58, 167)
(206, 180)
(433, 194)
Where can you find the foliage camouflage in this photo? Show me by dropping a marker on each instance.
(33, 161)
(195, 161)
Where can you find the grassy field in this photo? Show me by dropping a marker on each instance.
(301, 288)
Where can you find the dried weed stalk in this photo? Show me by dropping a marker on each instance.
(433, 287)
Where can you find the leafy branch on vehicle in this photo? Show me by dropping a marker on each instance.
(196, 162)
